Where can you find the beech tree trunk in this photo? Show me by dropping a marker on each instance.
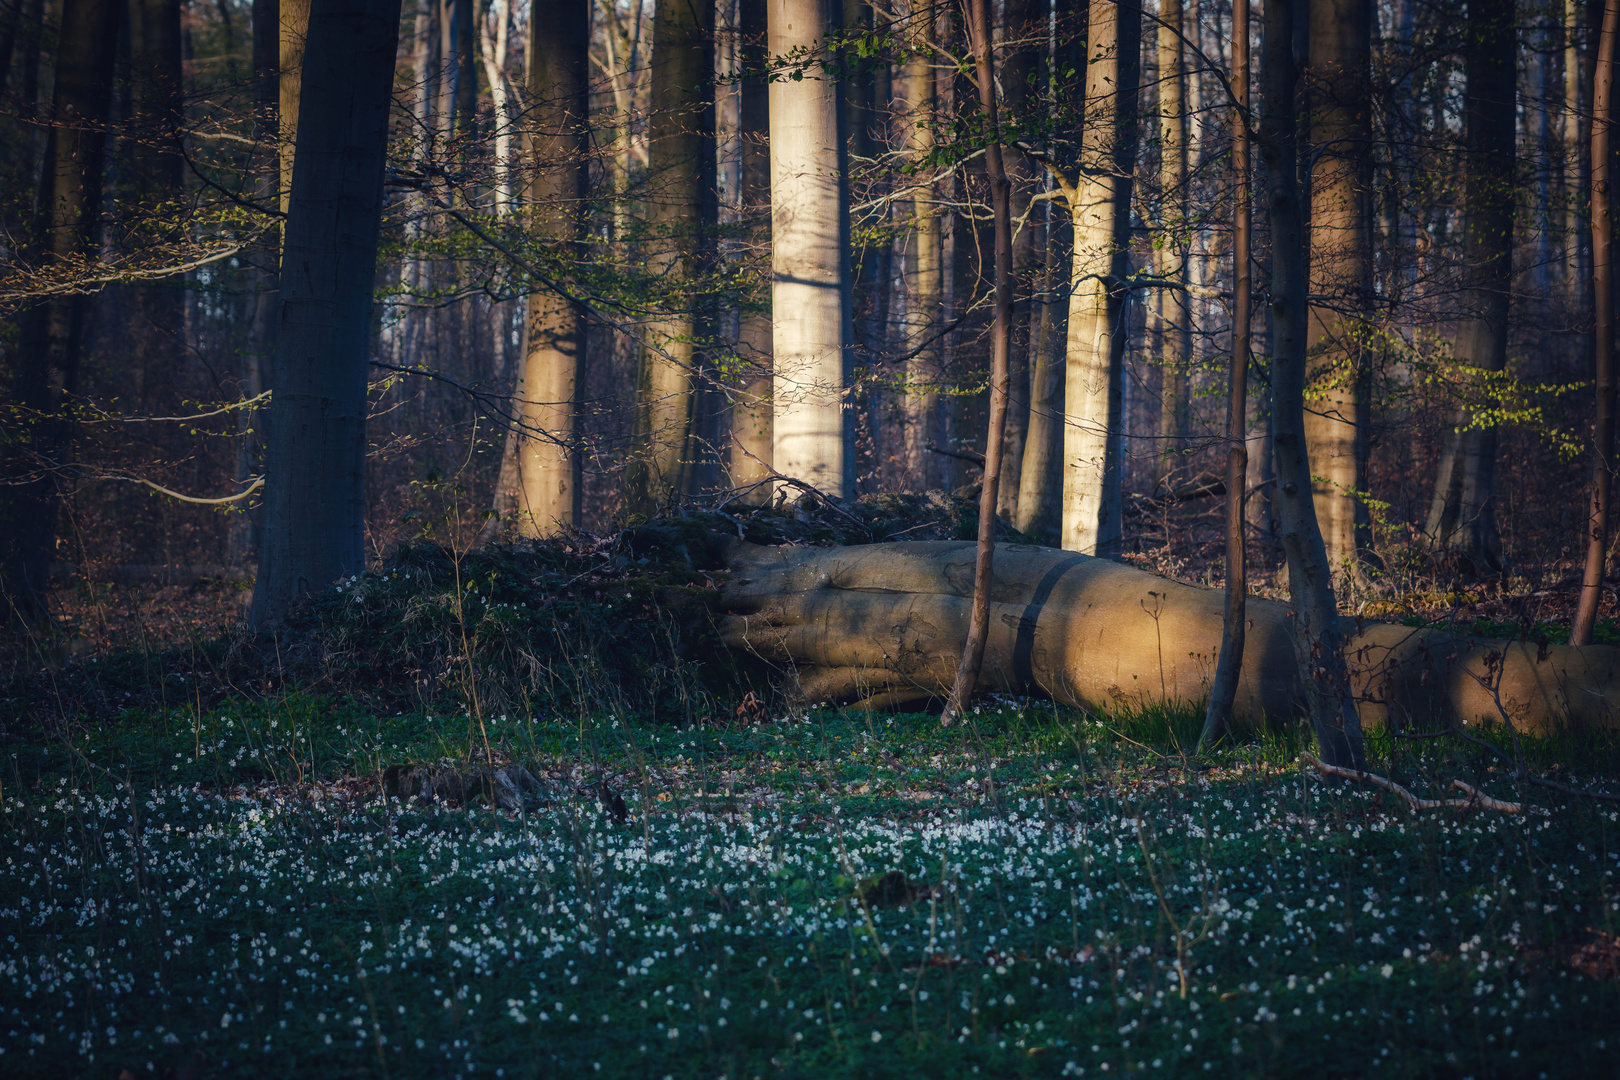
(1603, 290)
(1093, 436)
(1462, 512)
(751, 420)
(925, 272)
(546, 490)
(883, 625)
(1313, 620)
(1341, 268)
(294, 30)
(1040, 495)
(1025, 34)
(1171, 312)
(315, 485)
(680, 146)
(50, 334)
(810, 283)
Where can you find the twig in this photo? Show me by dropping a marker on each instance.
(1475, 798)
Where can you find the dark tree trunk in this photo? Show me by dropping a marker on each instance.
(751, 429)
(1313, 618)
(1603, 288)
(50, 335)
(1462, 513)
(315, 489)
(1229, 661)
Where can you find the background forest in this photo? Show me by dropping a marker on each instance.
(573, 318)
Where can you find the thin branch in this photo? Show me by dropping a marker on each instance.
(1475, 798)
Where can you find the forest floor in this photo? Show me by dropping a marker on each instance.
(232, 890)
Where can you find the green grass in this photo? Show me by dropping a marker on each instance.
(1032, 894)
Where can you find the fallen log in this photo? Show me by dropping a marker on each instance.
(883, 625)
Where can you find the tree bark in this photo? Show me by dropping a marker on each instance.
(1025, 34)
(1462, 512)
(1228, 662)
(315, 486)
(50, 334)
(546, 485)
(1313, 620)
(883, 625)
(967, 672)
(1040, 495)
(1171, 312)
(681, 163)
(1603, 289)
(1092, 440)
(1341, 268)
(810, 285)
(924, 280)
(294, 31)
(751, 420)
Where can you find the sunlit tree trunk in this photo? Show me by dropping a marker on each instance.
(1094, 391)
(681, 162)
(1314, 626)
(924, 281)
(1341, 267)
(1040, 495)
(751, 428)
(294, 28)
(809, 260)
(50, 336)
(315, 486)
(492, 49)
(1462, 511)
(547, 488)
(1171, 312)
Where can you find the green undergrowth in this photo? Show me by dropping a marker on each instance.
(1605, 632)
(1035, 892)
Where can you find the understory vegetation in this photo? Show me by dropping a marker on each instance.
(246, 890)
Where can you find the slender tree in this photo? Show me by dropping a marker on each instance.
(1341, 266)
(294, 30)
(1025, 34)
(1101, 208)
(681, 164)
(315, 486)
(967, 672)
(810, 283)
(1462, 512)
(1229, 661)
(1314, 617)
(51, 334)
(1603, 289)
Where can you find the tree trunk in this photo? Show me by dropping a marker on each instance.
(1313, 622)
(1040, 495)
(680, 140)
(1341, 269)
(294, 30)
(1092, 439)
(545, 473)
(1462, 512)
(967, 672)
(1603, 289)
(315, 488)
(50, 335)
(155, 333)
(1576, 272)
(1228, 662)
(1171, 310)
(1026, 38)
(883, 625)
(809, 260)
(751, 428)
(925, 281)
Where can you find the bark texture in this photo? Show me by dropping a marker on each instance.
(883, 624)
(751, 419)
(1462, 513)
(1101, 208)
(924, 277)
(810, 282)
(1341, 262)
(315, 487)
(1172, 324)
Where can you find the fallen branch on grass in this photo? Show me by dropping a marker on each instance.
(1475, 797)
